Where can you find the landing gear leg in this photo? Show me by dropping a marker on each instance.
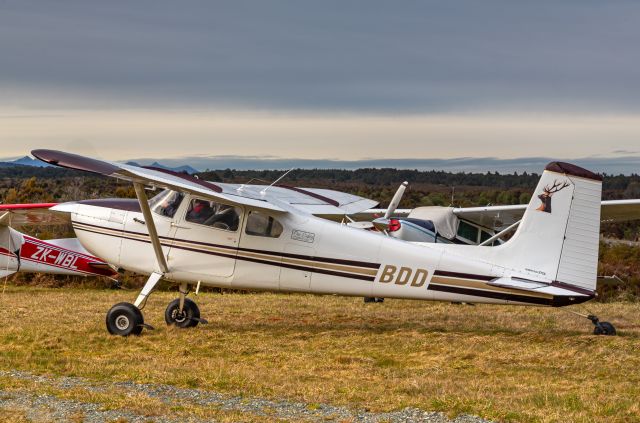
(126, 319)
(183, 312)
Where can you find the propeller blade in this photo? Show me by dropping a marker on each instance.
(381, 224)
(396, 200)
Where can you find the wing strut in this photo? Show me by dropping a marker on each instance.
(151, 227)
(501, 233)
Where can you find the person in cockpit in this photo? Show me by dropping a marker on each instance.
(200, 212)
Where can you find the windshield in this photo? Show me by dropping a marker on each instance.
(166, 203)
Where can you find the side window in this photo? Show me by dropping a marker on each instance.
(484, 236)
(260, 224)
(216, 215)
(468, 232)
(166, 203)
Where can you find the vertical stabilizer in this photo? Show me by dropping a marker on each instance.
(558, 238)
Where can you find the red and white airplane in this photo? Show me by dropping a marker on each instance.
(279, 238)
(23, 253)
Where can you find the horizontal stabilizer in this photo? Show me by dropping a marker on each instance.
(516, 283)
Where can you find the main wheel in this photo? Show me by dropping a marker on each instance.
(124, 319)
(604, 328)
(373, 300)
(187, 319)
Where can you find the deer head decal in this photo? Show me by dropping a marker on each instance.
(548, 192)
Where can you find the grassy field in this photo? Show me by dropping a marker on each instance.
(504, 363)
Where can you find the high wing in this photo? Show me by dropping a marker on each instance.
(17, 215)
(273, 198)
(620, 210)
(500, 217)
(319, 202)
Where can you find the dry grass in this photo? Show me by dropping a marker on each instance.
(505, 363)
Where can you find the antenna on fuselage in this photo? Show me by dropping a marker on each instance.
(241, 187)
(264, 191)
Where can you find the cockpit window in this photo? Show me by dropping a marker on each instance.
(166, 203)
(260, 224)
(216, 215)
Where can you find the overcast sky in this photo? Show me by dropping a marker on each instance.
(321, 79)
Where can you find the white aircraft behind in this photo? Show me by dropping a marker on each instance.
(278, 238)
(485, 225)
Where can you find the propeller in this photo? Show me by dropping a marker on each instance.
(397, 197)
(385, 223)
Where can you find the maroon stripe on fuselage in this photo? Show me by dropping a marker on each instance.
(463, 275)
(250, 250)
(168, 243)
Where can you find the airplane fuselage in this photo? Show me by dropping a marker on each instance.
(311, 255)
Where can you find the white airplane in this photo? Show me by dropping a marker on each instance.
(469, 225)
(278, 238)
(23, 253)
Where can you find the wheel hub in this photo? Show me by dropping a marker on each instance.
(179, 317)
(122, 322)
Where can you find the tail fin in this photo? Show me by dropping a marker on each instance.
(558, 237)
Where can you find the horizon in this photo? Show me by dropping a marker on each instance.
(621, 165)
(331, 81)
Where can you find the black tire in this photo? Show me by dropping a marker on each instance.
(188, 318)
(373, 300)
(604, 328)
(124, 319)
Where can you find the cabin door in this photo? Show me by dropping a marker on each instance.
(205, 242)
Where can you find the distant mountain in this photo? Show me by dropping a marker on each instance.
(8, 164)
(24, 161)
(183, 168)
(179, 169)
(28, 161)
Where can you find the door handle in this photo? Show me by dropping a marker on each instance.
(173, 225)
(142, 222)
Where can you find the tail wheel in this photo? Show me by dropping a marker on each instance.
(188, 318)
(604, 328)
(124, 319)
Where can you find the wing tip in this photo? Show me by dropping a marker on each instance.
(74, 161)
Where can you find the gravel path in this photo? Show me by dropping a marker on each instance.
(50, 408)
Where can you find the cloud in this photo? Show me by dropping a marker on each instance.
(409, 57)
